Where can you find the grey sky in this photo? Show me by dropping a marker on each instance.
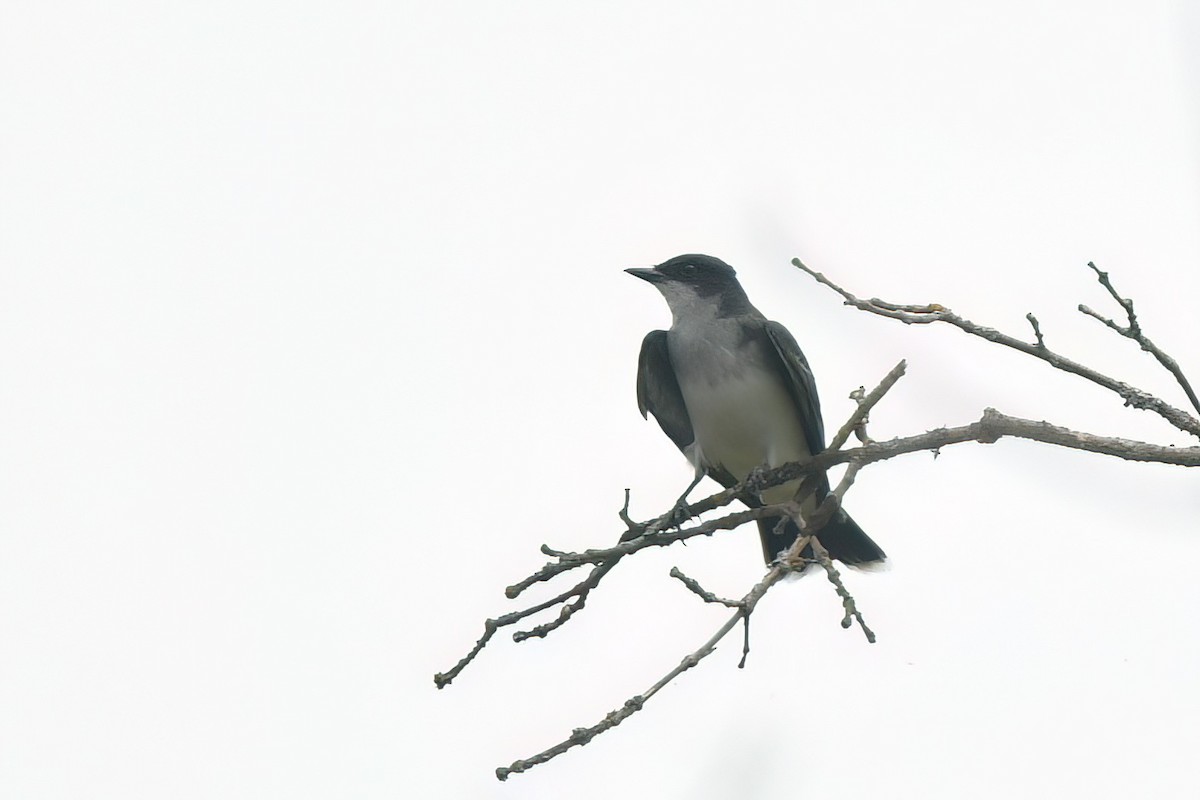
(313, 328)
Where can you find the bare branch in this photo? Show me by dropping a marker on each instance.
(745, 607)
(848, 604)
(624, 513)
(700, 591)
(581, 736)
(1134, 332)
(847, 481)
(579, 592)
(923, 315)
(991, 427)
(821, 555)
(860, 430)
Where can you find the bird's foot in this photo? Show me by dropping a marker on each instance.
(756, 478)
(678, 514)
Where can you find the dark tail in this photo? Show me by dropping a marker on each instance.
(841, 536)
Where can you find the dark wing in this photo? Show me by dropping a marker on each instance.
(841, 536)
(658, 393)
(800, 384)
(658, 390)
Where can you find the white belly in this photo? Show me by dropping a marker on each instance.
(741, 413)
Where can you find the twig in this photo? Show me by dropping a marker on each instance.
(847, 481)
(490, 626)
(1037, 330)
(1134, 332)
(624, 513)
(745, 642)
(700, 591)
(865, 405)
(923, 315)
(828, 508)
(580, 594)
(848, 604)
(860, 430)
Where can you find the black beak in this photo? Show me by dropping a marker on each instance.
(647, 274)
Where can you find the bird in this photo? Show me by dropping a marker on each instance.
(735, 394)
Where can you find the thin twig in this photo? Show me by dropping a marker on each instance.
(828, 508)
(1037, 330)
(490, 626)
(624, 513)
(848, 604)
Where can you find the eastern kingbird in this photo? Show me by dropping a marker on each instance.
(734, 392)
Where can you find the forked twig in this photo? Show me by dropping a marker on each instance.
(1134, 331)
(934, 312)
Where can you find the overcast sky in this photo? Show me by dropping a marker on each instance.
(313, 327)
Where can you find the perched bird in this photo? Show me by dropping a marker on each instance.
(734, 392)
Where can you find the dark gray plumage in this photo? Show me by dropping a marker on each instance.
(734, 391)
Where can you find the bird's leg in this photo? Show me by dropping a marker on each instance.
(679, 512)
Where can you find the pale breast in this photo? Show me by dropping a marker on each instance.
(740, 408)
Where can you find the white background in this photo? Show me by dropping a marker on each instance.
(313, 327)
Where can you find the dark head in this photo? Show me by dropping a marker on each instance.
(695, 282)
